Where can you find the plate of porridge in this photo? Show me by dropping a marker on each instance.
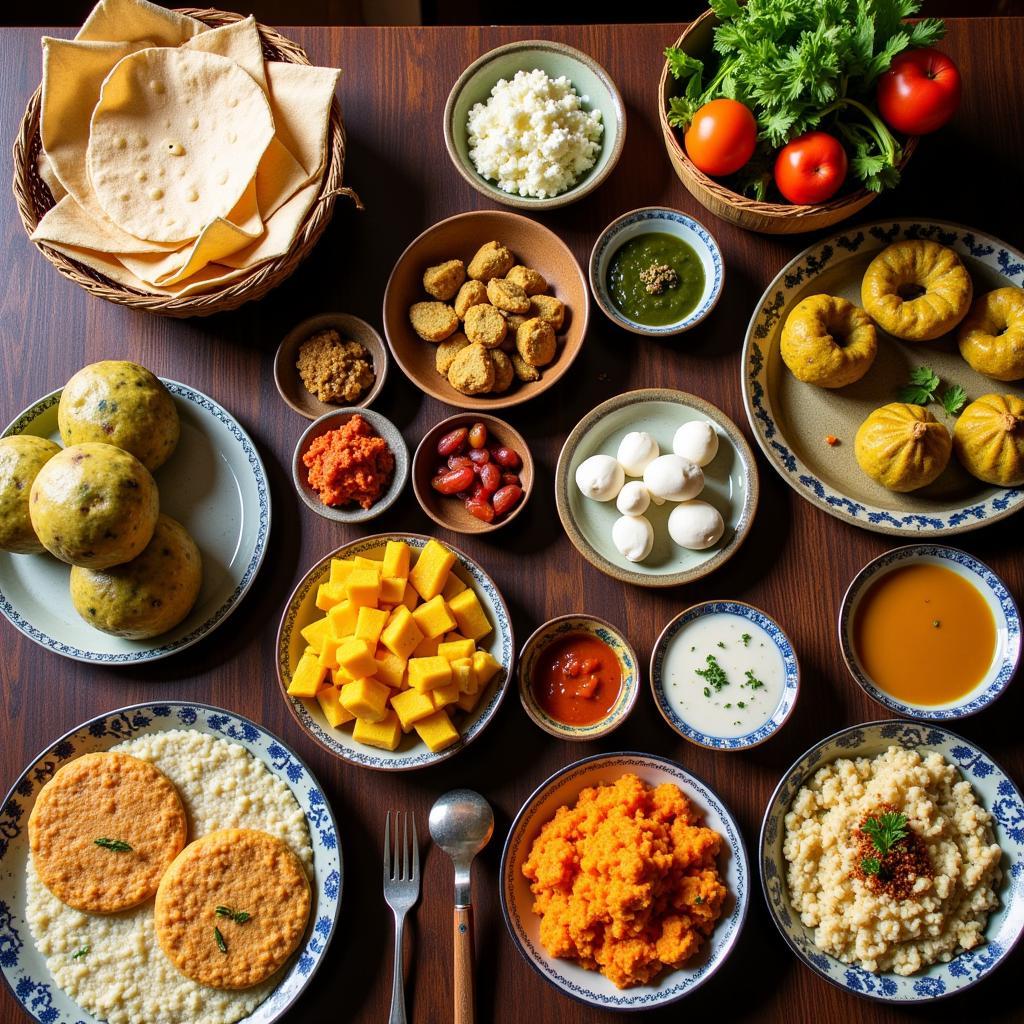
(164, 863)
(892, 861)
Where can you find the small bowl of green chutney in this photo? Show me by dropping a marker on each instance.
(656, 271)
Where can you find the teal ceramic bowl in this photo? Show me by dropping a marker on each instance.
(730, 484)
(628, 665)
(592, 83)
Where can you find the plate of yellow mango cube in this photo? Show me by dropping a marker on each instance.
(395, 651)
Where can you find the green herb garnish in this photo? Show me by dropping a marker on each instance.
(79, 953)
(953, 399)
(871, 865)
(752, 681)
(707, 692)
(714, 675)
(698, 900)
(741, 704)
(746, 638)
(238, 916)
(721, 644)
(885, 831)
(117, 845)
(219, 939)
(921, 388)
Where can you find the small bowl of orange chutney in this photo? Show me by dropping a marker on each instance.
(930, 632)
(578, 677)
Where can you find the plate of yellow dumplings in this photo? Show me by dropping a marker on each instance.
(395, 651)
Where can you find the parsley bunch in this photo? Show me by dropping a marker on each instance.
(804, 64)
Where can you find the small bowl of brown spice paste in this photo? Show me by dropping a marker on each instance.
(330, 361)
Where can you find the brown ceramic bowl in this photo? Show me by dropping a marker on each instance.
(449, 511)
(459, 237)
(351, 328)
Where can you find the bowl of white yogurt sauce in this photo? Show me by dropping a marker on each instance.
(724, 675)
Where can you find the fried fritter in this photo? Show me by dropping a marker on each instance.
(523, 370)
(472, 293)
(548, 308)
(535, 342)
(472, 371)
(433, 321)
(491, 260)
(444, 280)
(528, 279)
(507, 296)
(504, 374)
(447, 350)
(485, 326)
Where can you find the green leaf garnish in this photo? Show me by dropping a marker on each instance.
(79, 953)
(746, 638)
(921, 388)
(885, 830)
(219, 939)
(953, 399)
(871, 865)
(714, 675)
(117, 845)
(238, 916)
(752, 681)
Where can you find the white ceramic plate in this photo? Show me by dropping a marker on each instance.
(24, 968)
(994, 791)
(214, 485)
(568, 977)
(412, 752)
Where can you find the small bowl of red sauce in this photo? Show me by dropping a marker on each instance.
(578, 677)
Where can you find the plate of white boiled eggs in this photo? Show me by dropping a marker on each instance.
(656, 487)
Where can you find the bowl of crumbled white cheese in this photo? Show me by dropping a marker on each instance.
(534, 124)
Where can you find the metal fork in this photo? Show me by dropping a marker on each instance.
(401, 891)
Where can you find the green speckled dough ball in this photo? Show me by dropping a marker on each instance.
(21, 458)
(122, 404)
(148, 595)
(94, 505)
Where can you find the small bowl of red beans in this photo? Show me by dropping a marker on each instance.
(578, 677)
(472, 473)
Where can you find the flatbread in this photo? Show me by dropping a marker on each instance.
(238, 41)
(300, 97)
(135, 20)
(174, 141)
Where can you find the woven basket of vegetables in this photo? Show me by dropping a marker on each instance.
(754, 94)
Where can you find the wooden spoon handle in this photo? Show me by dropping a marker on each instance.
(463, 961)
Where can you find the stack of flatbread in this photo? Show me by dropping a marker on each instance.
(179, 158)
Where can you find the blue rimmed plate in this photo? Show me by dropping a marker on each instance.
(412, 752)
(792, 420)
(995, 791)
(214, 485)
(781, 651)
(669, 222)
(997, 597)
(568, 977)
(629, 669)
(24, 967)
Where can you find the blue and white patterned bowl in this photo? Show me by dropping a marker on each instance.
(24, 968)
(994, 790)
(790, 687)
(568, 977)
(628, 667)
(412, 752)
(997, 597)
(214, 484)
(671, 222)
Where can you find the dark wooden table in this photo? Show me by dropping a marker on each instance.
(795, 564)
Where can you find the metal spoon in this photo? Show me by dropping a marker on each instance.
(461, 823)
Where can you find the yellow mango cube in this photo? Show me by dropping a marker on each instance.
(314, 633)
(342, 619)
(329, 700)
(410, 598)
(372, 564)
(452, 586)
(426, 648)
(484, 665)
(455, 649)
(340, 677)
(433, 617)
(363, 587)
(426, 673)
(366, 698)
(307, 677)
(411, 706)
(464, 675)
(430, 573)
(469, 614)
(355, 656)
(369, 624)
(387, 733)
(396, 560)
(390, 667)
(468, 701)
(401, 635)
(442, 696)
(328, 595)
(340, 568)
(392, 590)
(437, 731)
(328, 657)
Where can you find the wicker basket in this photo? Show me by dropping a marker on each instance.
(770, 218)
(34, 199)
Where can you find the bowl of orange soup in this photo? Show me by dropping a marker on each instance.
(930, 632)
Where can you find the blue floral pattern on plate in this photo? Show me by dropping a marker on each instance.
(410, 753)
(754, 375)
(1000, 602)
(790, 688)
(21, 618)
(24, 968)
(568, 977)
(994, 790)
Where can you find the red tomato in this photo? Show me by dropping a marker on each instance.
(920, 92)
(810, 169)
(721, 137)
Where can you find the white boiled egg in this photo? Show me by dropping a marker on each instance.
(637, 450)
(673, 478)
(633, 499)
(696, 441)
(695, 525)
(633, 537)
(600, 477)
